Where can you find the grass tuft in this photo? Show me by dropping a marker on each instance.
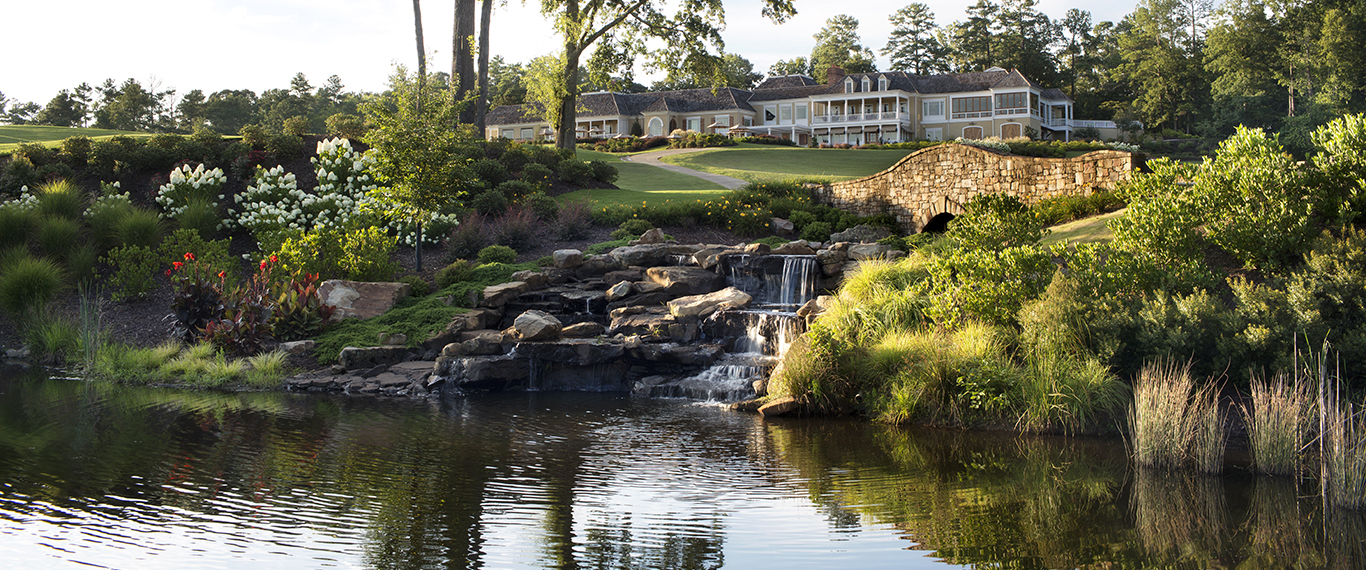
(1277, 423)
(1173, 421)
(267, 370)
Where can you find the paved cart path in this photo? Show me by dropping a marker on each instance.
(652, 159)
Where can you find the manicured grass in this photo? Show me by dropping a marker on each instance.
(778, 164)
(12, 136)
(1086, 230)
(642, 183)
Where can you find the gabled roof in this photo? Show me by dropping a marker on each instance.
(785, 82)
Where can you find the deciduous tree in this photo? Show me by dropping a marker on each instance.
(838, 44)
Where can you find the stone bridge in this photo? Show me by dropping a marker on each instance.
(930, 186)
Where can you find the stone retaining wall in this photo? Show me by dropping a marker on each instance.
(942, 178)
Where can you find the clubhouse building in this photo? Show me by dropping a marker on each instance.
(855, 109)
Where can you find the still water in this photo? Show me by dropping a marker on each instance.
(93, 475)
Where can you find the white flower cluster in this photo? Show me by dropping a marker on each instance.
(274, 202)
(434, 229)
(1126, 147)
(344, 182)
(984, 143)
(25, 202)
(107, 201)
(187, 185)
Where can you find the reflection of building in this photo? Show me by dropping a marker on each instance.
(862, 108)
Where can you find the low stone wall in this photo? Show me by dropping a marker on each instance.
(942, 178)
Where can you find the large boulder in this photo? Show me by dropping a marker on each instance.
(650, 237)
(654, 299)
(652, 321)
(619, 291)
(567, 258)
(780, 406)
(708, 257)
(533, 279)
(704, 305)
(573, 352)
(672, 353)
(484, 372)
(866, 251)
(686, 280)
(499, 295)
(537, 325)
(861, 234)
(357, 300)
(783, 227)
(794, 248)
(628, 274)
(587, 329)
(649, 255)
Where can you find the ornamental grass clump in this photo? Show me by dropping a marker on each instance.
(1277, 424)
(1174, 422)
(27, 285)
(62, 199)
(1342, 441)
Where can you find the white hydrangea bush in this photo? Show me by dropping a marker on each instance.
(984, 143)
(344, 182)
(188, 185)
(273, 202)
(1126, 147)
(26, 202)
(434, 229)
(110, 198)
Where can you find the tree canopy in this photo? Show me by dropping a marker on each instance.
(838, 44)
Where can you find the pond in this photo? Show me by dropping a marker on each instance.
(129, 477)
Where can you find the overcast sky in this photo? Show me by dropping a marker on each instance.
(260, 44)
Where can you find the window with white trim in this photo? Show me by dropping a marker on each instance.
(932, 109)
(882, 83)
(723, 120)
(865, 85)
(849, 85)
(656, 126)
(785, 114)
(801, 112)
(936, 134)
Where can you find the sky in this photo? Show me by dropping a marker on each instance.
(261, 44)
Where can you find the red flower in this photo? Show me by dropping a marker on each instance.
(263, 266)
(189, 257)
(168, 272)
(274, 259)
(222, 274)
(177, 265)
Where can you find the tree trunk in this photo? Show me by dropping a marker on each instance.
(565, 137)
(462, 58)
(421, 53)
(417, 248)
(483, 107)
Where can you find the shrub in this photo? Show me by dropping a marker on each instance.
(996, 221)
(184, 185)
(631, 229)
(497, 254)
(205, 135)
(816, 231)
(105, 214)
(27, 285)
(603, 172)
(198, 298)
(800, 219)
(134, 271)
(490, 172)
(514, 159)
(420, 287)
(984, 285)
(60, 198)
(212, 254)
(37, 153)
(517, 228)
(768, 140)
(573, 221)
(1342, 158)
(538, 175)
(295, 126)
(273, 202)
(514, 190)
(575, 172)
(57, 237)
(545, 207)
(285, 146)
(56, 171)
(19, 174)
(78, 148)
(458, 271)
(345, 125)
(254, 135)
(490, 203)
(468, 238)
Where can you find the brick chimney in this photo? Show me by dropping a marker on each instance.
(834, 75)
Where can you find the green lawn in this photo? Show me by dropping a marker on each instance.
(777, 164)
(1086, 230)
(642, 183)
(12, 136)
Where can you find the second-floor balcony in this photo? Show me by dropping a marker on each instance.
(861, 118)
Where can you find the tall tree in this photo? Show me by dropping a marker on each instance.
(421, 51)
(794, 66)
(1168, 81)
(1242, 57)
(463, 72)
(1026, 40)
(507, 84)
(128, 107)
(736, 71)
(971, 41)
(227, 111)
(838, 44)
(687, 38)
(190, 110)
(914, 43)
(482, 109)
(1077, 47)
(64, 110)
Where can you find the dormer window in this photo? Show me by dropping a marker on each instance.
(865, 85)
(848, 85)
(882, 83)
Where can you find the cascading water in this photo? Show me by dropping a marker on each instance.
(779, 284)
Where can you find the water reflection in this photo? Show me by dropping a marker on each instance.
(144, 478)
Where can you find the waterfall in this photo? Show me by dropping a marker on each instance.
(768, 332)
(774, 279)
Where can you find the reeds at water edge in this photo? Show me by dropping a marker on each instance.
(1173, 421)
(1278, 424)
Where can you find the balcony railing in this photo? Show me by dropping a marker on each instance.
(1019, 111)
(976, 115)
(1059, 123)
(857, 117)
